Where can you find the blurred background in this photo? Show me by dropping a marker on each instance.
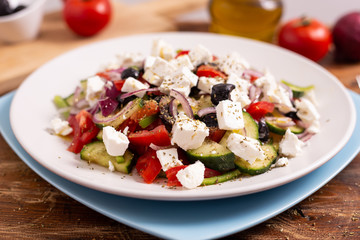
(326, 11)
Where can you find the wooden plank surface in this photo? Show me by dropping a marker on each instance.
(30, 208)
(19, 60)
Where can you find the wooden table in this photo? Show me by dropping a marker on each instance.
(30, 208)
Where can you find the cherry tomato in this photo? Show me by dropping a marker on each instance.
(209, 71)
(259, 109)
(84, 130)
(148, 166)
(87, 17)
(307, 37)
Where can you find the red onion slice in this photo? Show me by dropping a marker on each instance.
(288, 89)
(183, 101)
(99, 119)
(108, 106)
(156, 147)
(205, 111)
(126, 95)
(77, 93)
(173, 108)
(305, 136)
(252, 73)
(254, 93)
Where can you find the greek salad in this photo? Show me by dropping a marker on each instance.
(187, 116)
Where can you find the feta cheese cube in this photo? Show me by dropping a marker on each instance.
(240, 93)
(182, 61)
(131, 85)
(111, 166)
(162, 49)
(290, 145)
(61, 127)
(247, 148)
(162, 68)
(130, 59)
(206, 83)
(306, 111)
(188, 133)
(275, 93)
(94, 88)
(149, 62)
(314, 127)
(199, 54)
(192, 176)
(229, 115)
(179, 83)
(282, 162)
(115, 142)
(233, 63)
(152, 78)
(168, 158)
(188, 75)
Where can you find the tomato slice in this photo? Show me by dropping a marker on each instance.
(183, 52)
(259, 109)
(119, 84)
(216, 134)
(158, 136)
(209, 71)
(171, 176)
(84, 130)
(148, 166)
(150, 107)
(211, 173)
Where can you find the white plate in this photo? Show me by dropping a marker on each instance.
(32, 110)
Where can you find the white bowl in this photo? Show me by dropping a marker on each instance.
(23, 25)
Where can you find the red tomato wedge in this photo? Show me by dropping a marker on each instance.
(259, 109)
(171, 176)
(173, 180)
(84, 130)
(209, 71)
(216, 134)
(119, 84)
(183, 52)
(150, 107)
(148, 166)
(211, 173)
(158, 136)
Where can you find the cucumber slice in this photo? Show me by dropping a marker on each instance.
(222, 178)
(146, 121)
(59, 102)
(95, 152)
(281, 131)
(297, 90)
(259, 166)
(213, 155)
(251, 129)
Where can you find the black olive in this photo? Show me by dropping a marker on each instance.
(130, 72)
(165, 114)
(210, 120)
(292, 115)
(220, 92)
(125, 101)
(263, 131)
(19, 8)
(4, 8)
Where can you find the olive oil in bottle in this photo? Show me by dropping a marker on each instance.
(257, 19)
